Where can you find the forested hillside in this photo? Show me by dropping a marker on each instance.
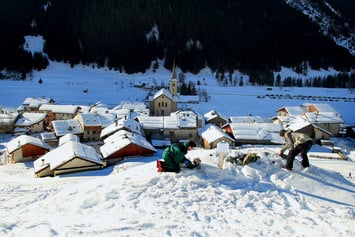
(252, 36)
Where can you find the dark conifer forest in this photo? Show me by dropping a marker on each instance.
(254, 36)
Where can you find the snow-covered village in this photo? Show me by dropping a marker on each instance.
(90, 169)
(83, 148)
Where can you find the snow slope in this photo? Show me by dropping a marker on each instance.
(132, 199)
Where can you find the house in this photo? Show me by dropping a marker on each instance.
(180, 125)
(266, 133)
(323, 116)
(8, 118)
(302, 125)
(32, 104)
(62, 127)
(212, 135)
(70, 157)
(124, 144)
(31, 122)
(129, 125)
(213, 117)
(59, 112)
(25, 148)
(93, 123)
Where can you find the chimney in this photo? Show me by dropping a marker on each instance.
(42, 162)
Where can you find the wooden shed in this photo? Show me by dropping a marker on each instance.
(25, 148)
(212, 135)
(68, 158)
(124, 144)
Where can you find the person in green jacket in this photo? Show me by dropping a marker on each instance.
(174, 156)
(296, 143)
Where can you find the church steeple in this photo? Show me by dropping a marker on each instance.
(173, 83)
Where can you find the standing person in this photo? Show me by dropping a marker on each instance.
(174, 157)
(296, 143)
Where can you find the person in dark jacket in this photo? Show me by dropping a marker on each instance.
(174, 157)
(296, 143)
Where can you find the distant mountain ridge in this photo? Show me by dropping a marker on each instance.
(255, 36)
(332, 18)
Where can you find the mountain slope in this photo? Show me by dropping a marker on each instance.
(333, 19)
(225, 35)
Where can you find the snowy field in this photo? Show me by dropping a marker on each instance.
(132, 199)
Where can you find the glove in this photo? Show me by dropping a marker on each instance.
(187, 163)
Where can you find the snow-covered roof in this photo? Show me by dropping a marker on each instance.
(121, 139)
(164, 92)
(173, 121)
(47, 136)
(97, 119)
(22, 140)
(247, 119)
(7, 116)
(323, 117)
(68, 137)
(293, 110)
(212, 114)
(62, 127)
(322, 107)
(129, 124)
(28, 119)
(60, 109)
(65, 153)
(35, 102)
(131, 106)
(298, 123)
(212, 133)
(257, 131)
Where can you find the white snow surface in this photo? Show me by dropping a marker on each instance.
(133, 199)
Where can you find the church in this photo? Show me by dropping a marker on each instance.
(164, 102)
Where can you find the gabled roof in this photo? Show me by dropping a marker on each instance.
(68, 137)
(323, 117)
(121, 139)
(247, 119)
(28, 119)
(173, 121)
(36, 102)
(321, 107)
(97, 119)
(128, 124)
(8, 115)
(62, 154)
(212, 133)
(60, 109)
(298, 123)
(293, 110)
(23, 140)
(213, 114)
(62, 127)
(164, 92)
(256, 131)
